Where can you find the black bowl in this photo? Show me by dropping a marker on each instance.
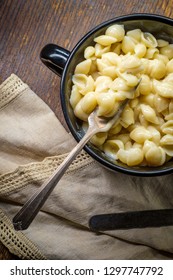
(63, 63)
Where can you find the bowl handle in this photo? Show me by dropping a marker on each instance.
(54, 57)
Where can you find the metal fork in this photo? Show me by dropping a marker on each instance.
(27, 213)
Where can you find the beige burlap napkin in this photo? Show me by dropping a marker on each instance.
(32, 144)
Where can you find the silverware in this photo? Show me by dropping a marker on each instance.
(134, 219)
(27, 213)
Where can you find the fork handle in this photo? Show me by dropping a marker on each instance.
(27, 213)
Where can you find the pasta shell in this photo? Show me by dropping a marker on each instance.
(119, 84)
(140, 134)
(167, 140)
(110, 71)
(117, 31)
(157, 69)
(116, 48)
(79, 113)
(149, 40)
(124, 137)
(149, 113)
(131, 157)
(163, 88)
(167, 144)
(127, 117)
(169, 66)
(111, 58)
(83, 67)
(115, 129)
(83, 82)
(147, 99)
(111, 147)
(130, 64)
(148, 145)
(167, 50)
(169, 117)
(128, 45)
(106, 102)
(99, 50)
(140, 50)
(162, 43)
(151, 52)
(75, 96)
(88, 102)
(135, 34)
(162, 57)
(89, 52)
(131, 80)
(169, 78)
(167, 127)
(99, 139)
(105, 40)
(155, 156)
(160, 103)
(155, 134)
(103, 83)
(145, 85)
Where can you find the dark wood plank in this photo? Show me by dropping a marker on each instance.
(27, 25)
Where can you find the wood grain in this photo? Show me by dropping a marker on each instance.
(27, 25)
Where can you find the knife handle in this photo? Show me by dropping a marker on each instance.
(129, 220)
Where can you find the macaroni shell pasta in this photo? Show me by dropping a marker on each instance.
(164, 89)
(75, 96)
(102, 83)
(161, 103)
(140, 50)
(149, 113)
(140, 134)
(111, 147)
(155, 134)
(99, 139)
(128, 45)
(106, 102)
(167, 50)
(99, 50)
(167, 127)
(83, 67)
(89, 52)
(84, 83)
(127, 117)
(131, 157)
(108, 74)
(155, 156)
(116, 31)
(80, 113)
(145, 85)
(105, 40)
(88, 102)
(148, 39)
(169, 66)
(135, 34)
(167, 144)
(162, 43)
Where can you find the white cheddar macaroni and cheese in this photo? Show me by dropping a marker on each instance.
(108, 74)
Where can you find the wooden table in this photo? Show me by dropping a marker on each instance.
(27, 25)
